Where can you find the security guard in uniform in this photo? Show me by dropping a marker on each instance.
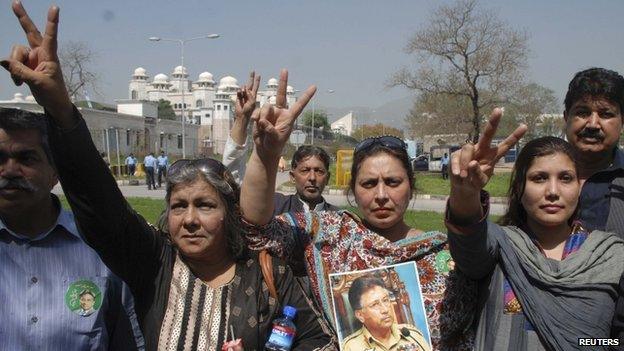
(371, 302)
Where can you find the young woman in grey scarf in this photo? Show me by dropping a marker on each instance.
(545, 281)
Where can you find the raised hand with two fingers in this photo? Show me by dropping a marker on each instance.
(472, 166)
(38, 65)
(273, 125)
(246, 97)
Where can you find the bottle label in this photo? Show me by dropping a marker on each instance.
(282, 336)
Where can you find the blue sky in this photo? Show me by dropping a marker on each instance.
(349, 46)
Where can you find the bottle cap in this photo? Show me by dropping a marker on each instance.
(290, 311)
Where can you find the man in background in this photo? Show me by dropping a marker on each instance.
(163, 163)
(131, 164)
(150, 163)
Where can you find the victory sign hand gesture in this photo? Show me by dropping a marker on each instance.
(473, 165)
(38, 65)
(246, 97)
(274, 124)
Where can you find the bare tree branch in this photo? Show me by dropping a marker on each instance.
(76, 59)
(466, 51)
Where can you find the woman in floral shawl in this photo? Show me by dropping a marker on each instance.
(319, 243)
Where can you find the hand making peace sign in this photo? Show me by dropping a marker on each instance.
(38, 65)
(274, 124)
(473, 165)
(246, 97)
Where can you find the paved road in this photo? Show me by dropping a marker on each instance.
(435, 205)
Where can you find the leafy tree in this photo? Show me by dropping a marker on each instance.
(466, 51)
(529, 105)
(439, 114)
(165, 111)
(320, 120)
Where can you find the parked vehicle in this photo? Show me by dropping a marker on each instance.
(421, 163)
(435, 157)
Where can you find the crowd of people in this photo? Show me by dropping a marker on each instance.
(229, 252)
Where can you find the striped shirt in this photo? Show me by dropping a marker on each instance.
(56, 294)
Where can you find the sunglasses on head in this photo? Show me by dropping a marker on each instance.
(390, 142)
(204, 164)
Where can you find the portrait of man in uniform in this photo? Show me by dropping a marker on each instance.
(374, 310)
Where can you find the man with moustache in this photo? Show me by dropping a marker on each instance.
(309, 166)
(43, 259)
(372, 305)
(594, 105)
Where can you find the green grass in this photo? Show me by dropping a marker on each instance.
(432, 183)
(151, 209)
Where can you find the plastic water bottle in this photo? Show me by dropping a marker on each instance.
(283, 333)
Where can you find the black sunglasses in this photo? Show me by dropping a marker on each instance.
(390, 142)
(204, 164)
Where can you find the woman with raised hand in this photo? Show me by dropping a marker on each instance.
(195, 284)
(546, 281)
(319, 243)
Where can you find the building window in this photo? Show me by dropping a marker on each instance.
(134, 95)
(127, 137)
(179, 141)
(198, 117)
(185, 106)
(162, 140)
(224, 107)
(199, 103)
(218, 107)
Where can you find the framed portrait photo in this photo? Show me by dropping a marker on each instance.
(380, 307)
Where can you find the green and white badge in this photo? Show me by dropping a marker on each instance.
(83, 297)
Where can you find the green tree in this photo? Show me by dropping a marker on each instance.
(320, 120)
(439, 114)
(466, 51)
(529, 105)
(165, 111)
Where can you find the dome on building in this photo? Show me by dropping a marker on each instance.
(272, 83)
(18, 97)
(290, 89)
(161, 78)
(140, 71)
(179, 70)
(228, 82)
(206, 77)
(30, 98)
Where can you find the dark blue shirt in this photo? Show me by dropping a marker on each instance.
(594, 202)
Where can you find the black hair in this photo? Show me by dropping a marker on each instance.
(12, 119)
(86, 292)
(516, 214)
(306, 151)
(596, 82)
(361, 285)
(362, 155)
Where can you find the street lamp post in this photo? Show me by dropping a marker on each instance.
(329, 91)
(182, 42)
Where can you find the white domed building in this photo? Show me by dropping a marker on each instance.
(206, 103)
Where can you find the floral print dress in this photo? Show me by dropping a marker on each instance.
(319, 243)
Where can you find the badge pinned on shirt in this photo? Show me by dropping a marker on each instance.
(83, 297)
(444, 262)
